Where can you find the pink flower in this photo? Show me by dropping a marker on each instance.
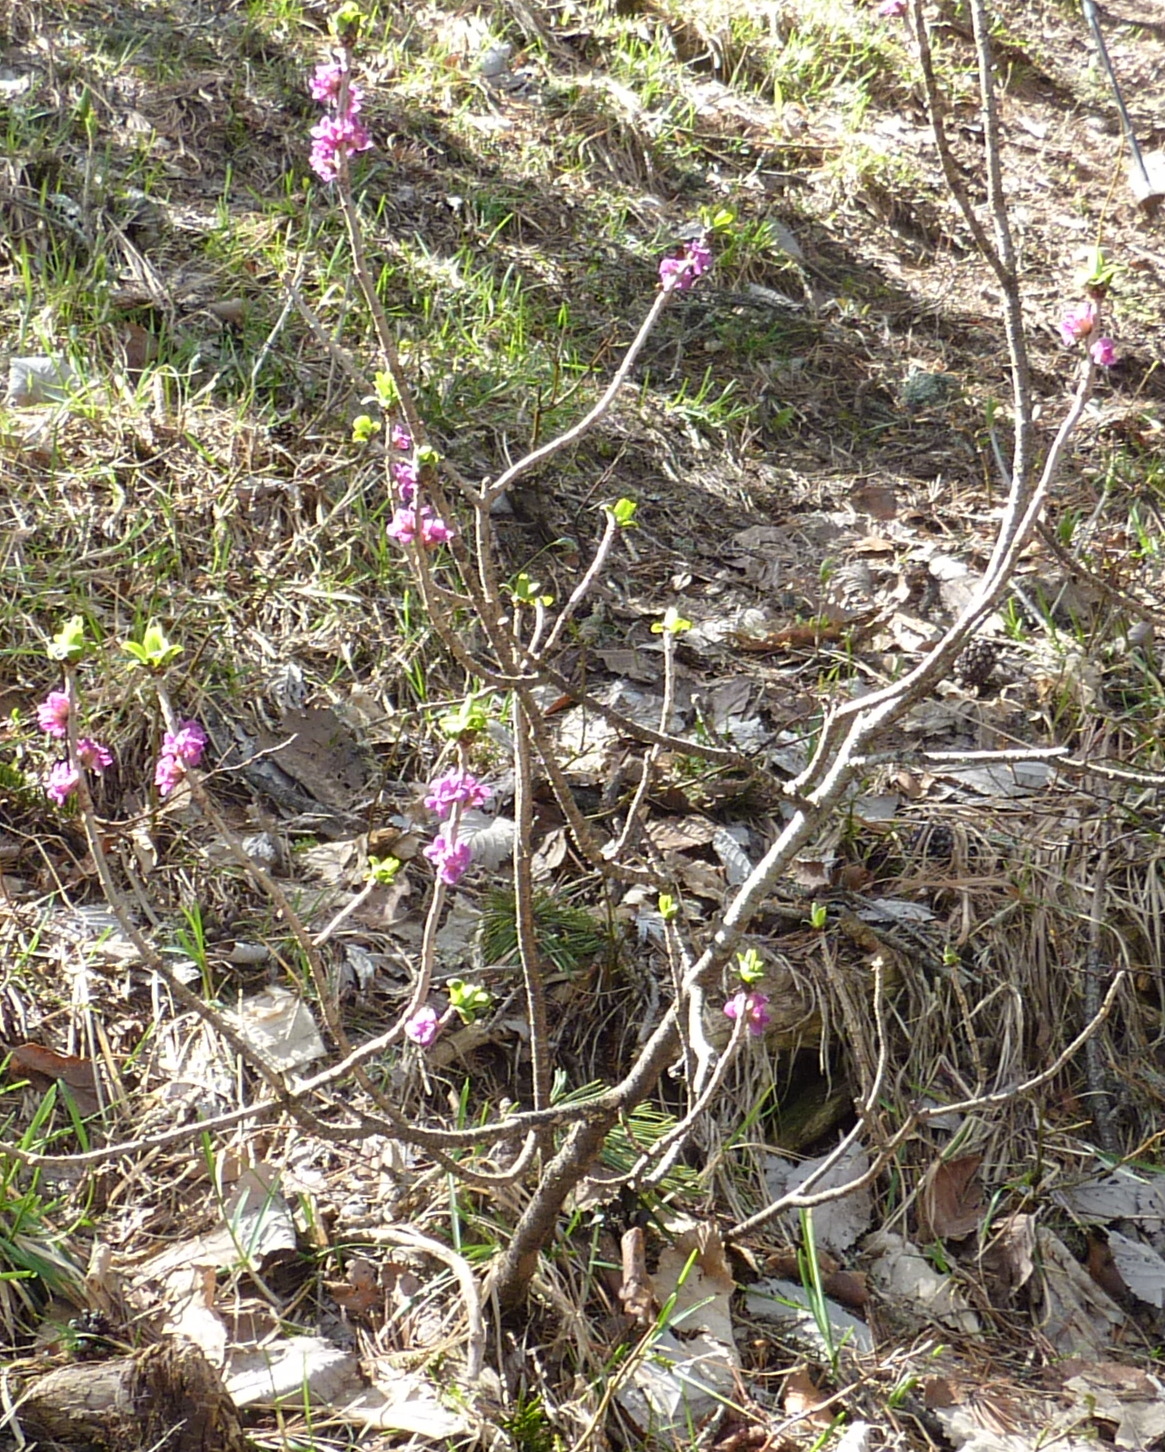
(678, 272)
(404, 474)
(167, 774)
(891, 9)
(52, 715)
(405, 527)
(754, 1006)
(335, 139)
(1103, 352)
(92, 755)
(1078, 322)
(456, 787)
(324, 85)
(401, 438)
(450, 858)
(423, 1027)
(187, 743)
(61, 782)
(434, 530)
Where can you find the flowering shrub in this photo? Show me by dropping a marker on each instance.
(754, 1006)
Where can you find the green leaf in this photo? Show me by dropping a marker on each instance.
(153, 652)
(383, 870)
(750, 966)
(69, 642)
(673, 623)
(468, 999)
(525, 592)
(470, 719)
(363, 428)
(623, 513)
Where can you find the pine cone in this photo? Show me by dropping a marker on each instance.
(975, 663)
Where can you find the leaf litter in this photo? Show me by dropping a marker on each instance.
(1006, 901)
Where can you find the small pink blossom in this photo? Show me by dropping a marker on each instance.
(324, 85)
(61, 782)
(678, 272)
(167, 774)
(1078, 322)
(423, 1027)
(92, 755)
(52, 715)
(1103, 352)
(434, 530)
(404, 474)
(401, 438)
(754, 1006)
(187, 743)
(334, 139)
(405, 527)
(456, 787)
(891, 9)
(450, 858)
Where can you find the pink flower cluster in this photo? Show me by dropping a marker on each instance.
(753, 1007)
(410, 523)
(52, 716)
(180, 748)
(891, 9)
(456, 789)
(679, 271)
(339, 135)
(1079, 323)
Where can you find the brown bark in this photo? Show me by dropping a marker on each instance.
(167, 1396)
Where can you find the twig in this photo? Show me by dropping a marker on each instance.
(475, 1340)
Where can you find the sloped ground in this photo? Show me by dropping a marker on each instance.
(808, 439)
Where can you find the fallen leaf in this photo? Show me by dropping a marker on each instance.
(45, 1067)
(803, 1400)
(950, 1204)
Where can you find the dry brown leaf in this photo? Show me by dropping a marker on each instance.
(1007, 1262)
(848, 1288)
(1102, 1267)
(804, 1400)
(362, 1292)
(950, 1203)
(45, 1067)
